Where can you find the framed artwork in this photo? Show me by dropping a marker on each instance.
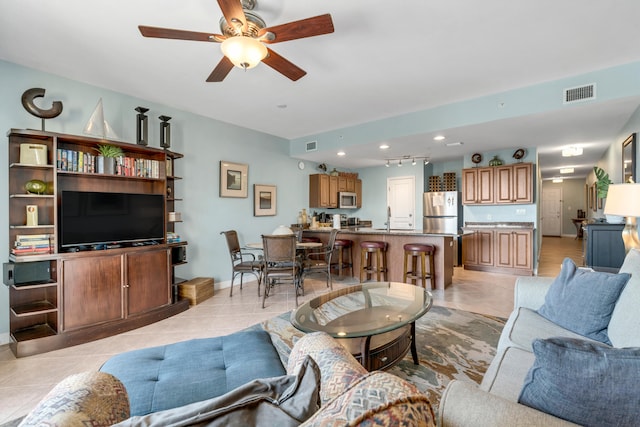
(593, 194)
(234, 178)
(600, 202)
(264, 200)
(629, 159)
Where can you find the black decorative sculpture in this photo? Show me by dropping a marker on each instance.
(27, 102)
(142, 130)
(165, 132)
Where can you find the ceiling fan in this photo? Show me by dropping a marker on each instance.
(243, 38)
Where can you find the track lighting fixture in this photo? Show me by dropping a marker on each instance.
(408, 158)
(387, 165)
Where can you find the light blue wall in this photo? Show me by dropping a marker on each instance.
(203, 141)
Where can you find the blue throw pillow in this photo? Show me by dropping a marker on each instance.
(584, 382)
(582, 300)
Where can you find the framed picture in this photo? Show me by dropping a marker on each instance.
(234, 178)
(629, 159)
(264, 200)
(593, 194)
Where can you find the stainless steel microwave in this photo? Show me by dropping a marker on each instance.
(347, 200)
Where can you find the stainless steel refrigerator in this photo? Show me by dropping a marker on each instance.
(443, 215)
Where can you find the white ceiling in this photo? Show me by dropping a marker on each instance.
(386, 58)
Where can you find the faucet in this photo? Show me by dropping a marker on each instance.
(388, 223)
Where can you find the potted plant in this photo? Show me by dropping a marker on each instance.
(107, 158)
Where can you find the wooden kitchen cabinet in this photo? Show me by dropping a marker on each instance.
(358, 190)
(508, 184)
(319, 191)
(323, 191)
(513, 184)
(514, 249)
(477, 186)
(478, 248)
(505, 250)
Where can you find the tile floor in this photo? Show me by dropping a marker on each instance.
(24, 381)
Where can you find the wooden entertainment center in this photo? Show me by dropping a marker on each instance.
(85, 294)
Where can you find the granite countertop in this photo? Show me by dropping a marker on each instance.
(369, 230)
(506, 224)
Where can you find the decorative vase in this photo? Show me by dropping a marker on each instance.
(35, 186)
(110, 165)
(304, 216)
(334, 172)
(495, 161)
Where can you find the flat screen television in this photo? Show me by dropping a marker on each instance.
(90, 218)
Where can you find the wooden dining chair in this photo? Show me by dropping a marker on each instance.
(241, 263)
(280, 263)
(319, 260)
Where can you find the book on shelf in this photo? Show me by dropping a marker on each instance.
(26, 237)
(41, 249)
(23, 243)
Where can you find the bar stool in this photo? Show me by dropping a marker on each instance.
(342, 245)
(367, 260)
(415, 250)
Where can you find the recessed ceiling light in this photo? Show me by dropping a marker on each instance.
(341, 153)
(566, 170)
(438, 137)
(384, 146)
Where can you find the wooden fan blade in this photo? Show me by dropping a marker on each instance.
(168, 33)
(309, 27)
(232, 11)
(283, 66)
(220, 72)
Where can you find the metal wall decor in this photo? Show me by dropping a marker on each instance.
(28, 104)
(165, 131)
(142, 129)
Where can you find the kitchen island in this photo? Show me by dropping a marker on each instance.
(396, 239)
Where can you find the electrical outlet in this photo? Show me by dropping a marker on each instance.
(489, 217)
(521, 211)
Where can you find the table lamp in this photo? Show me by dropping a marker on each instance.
(624, 200)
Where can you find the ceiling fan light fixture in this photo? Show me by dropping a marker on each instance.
(244, 52)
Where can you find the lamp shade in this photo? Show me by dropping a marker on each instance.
(623, 200)
(244, 52)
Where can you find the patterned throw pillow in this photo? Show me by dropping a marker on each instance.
(582, 300)
(584, 382)
(376, 399)
(88, 399)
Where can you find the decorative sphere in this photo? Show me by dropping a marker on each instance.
(35, 186)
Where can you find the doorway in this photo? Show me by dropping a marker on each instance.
(401, 199)
(552, 212)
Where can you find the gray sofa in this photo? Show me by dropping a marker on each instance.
(495, 401)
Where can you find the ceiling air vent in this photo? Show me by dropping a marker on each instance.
(579, 94)
(312, 146)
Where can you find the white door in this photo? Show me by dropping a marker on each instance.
(552, 212)
(401, 199)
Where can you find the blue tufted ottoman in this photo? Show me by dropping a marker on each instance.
(176, 374)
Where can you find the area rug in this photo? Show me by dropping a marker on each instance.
(452, 344)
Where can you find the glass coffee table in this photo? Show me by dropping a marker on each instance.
(375, 321)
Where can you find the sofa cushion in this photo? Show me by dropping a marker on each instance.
(584, 382)
(529, 325)
(173, 375)
(283, 401)
(376, 399)
(86, 399)
(583, 300)
(625, 320)
(507, 372)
